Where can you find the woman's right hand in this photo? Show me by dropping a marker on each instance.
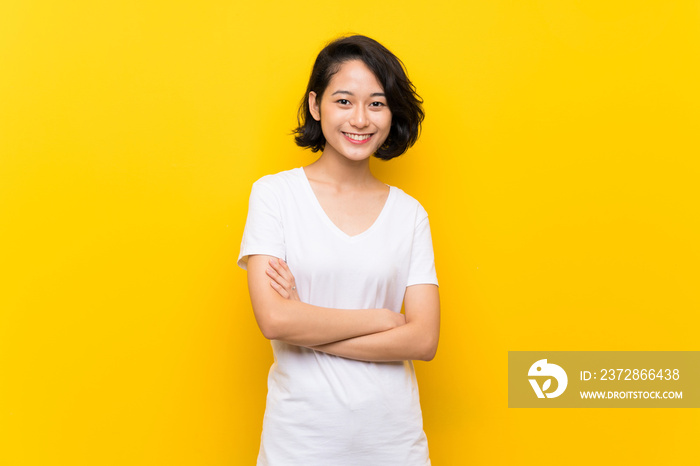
(283, 281)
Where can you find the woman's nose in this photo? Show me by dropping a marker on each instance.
(359, 117)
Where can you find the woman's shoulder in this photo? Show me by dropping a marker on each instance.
(405, 201)
(280, 181)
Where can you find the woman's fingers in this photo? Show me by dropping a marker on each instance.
(273, 274)
(280, 281)
(281, 268)
(279, 289)
(283, 271)
(283, 277)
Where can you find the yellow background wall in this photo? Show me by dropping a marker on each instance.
(558, 162)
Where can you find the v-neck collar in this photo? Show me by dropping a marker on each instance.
(319, 208)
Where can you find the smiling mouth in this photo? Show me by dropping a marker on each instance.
(357, 137)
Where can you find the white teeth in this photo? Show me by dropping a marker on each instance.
(358, 137)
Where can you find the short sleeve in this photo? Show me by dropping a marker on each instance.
(422, 266)
(263, 232)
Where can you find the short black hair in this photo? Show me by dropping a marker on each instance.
(401, 97)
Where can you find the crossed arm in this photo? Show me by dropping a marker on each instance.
(363, 334)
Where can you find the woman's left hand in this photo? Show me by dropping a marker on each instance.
(282, 279)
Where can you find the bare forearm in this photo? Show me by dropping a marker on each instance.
(303, 324)
(408, 342)
(298, 323)
(418, 339)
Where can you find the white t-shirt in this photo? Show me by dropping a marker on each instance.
(323, 409)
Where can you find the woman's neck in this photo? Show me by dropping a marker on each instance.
(341, 172)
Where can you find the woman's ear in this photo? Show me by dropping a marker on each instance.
(314, 106)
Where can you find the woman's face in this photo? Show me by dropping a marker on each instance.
(354, 116)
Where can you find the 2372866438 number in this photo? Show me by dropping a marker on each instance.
(637, 374)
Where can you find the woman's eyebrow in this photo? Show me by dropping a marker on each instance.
(374, 94)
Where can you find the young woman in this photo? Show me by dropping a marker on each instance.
(332, 253)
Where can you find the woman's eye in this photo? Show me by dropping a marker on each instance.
(343, 101)
(378, 104)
